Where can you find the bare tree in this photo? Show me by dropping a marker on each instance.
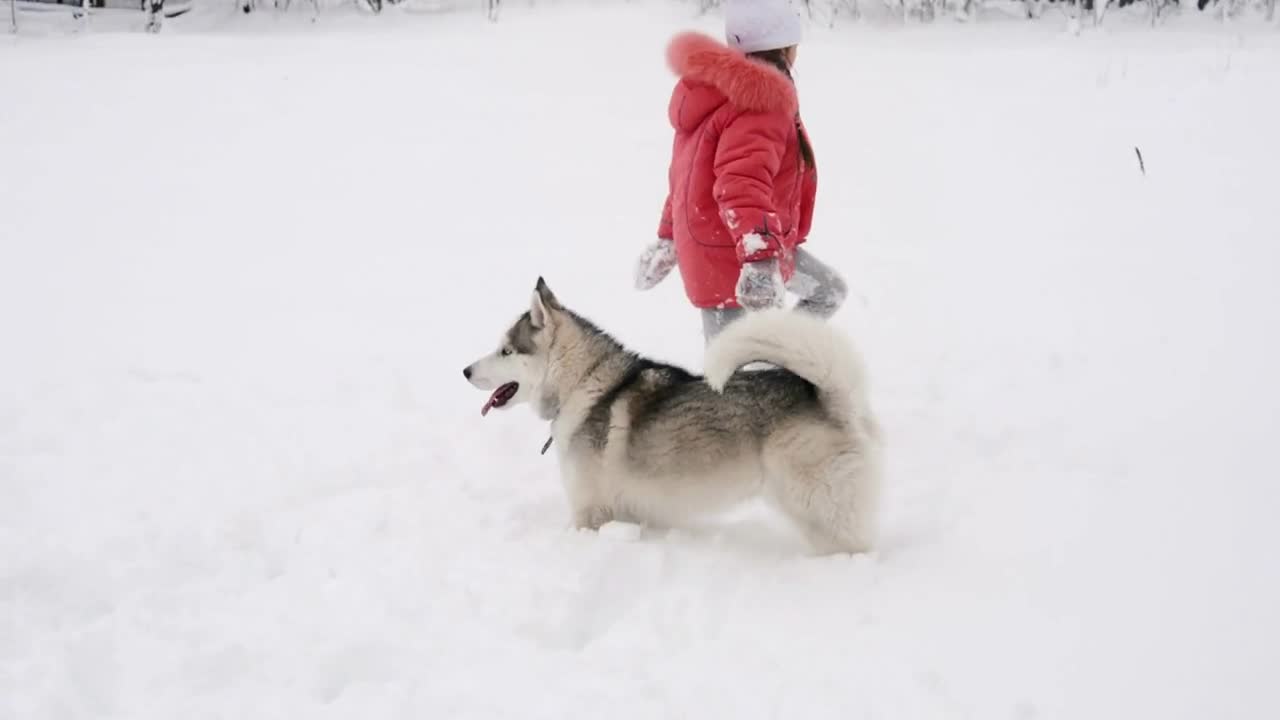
(824, 11)
(1271, 10)
(1100, 10)
(155, 15)
(13, 16)
(1156, 7)
(286, 4)
(1074, 10)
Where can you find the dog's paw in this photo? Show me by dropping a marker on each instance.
(591, 518)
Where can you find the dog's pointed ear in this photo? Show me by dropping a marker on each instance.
(543, 302)
(548, 297)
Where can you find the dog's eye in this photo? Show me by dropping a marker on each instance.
(505, 352)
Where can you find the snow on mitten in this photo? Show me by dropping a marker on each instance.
(760, 285)
(655, 264)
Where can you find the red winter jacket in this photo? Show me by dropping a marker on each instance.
(739, 190)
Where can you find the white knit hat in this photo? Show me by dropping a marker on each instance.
(755, 25)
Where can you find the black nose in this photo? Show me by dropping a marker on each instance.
(466, 372)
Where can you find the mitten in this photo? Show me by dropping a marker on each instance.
(655, 264)
(760, 285)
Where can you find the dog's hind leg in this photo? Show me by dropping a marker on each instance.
(832, 496)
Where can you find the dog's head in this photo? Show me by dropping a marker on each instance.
(516, 370)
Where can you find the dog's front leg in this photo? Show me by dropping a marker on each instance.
(592, 517)
(584, 496)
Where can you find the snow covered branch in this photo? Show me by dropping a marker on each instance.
(1077, 13)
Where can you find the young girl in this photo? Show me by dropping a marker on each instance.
(742, 178)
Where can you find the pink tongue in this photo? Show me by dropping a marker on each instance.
(491, 403)
(500, 397)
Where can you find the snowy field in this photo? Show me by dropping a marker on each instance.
(242, 264)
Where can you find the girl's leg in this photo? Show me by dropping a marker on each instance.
(716, 319)
(821, 289)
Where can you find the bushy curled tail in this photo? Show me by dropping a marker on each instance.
(797, 341)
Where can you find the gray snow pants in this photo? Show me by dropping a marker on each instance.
(821, 289)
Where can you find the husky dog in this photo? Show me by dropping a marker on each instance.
(644, 442)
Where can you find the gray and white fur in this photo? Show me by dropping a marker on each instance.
(650, 443)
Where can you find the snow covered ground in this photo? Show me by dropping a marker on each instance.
(242, 264)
